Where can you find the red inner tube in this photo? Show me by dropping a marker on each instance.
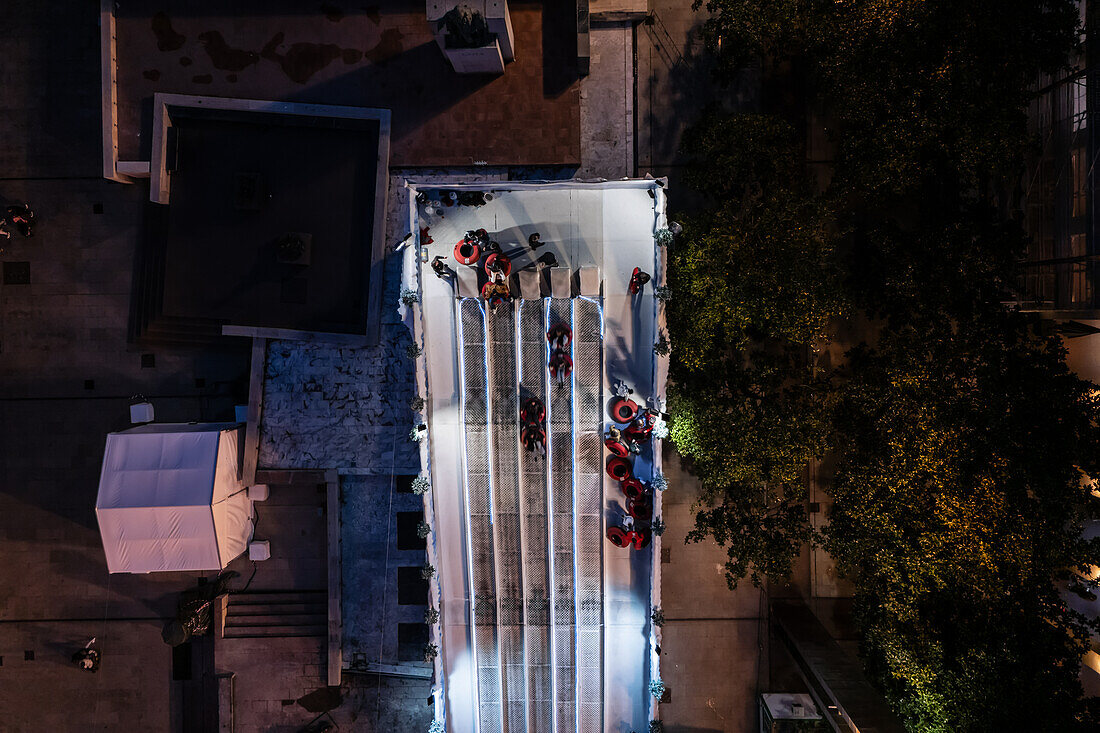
(560, 361)
(642, 508)
(633, 488)
(617, 448)
(532, 435)
(533, 412)
(617, 536)
(467, 253)
(505, 263)
(640, 539)
(624, 410)
(619, 469)
(560, 331)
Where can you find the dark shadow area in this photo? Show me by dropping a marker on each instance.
(244, 185)
(412, 588)
(408, 537)
(57, 45)
(411, 640)
(679, 87)
(559, 46)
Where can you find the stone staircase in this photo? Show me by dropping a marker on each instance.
(275, 614)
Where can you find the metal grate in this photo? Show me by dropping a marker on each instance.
(588, 392)
(479, 529)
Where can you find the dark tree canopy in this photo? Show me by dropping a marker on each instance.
(961, 441)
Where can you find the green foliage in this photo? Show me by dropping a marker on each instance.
(431, 616)
(416, 404)
(423, 529)
(420, 484)
(436, 727)
(409, 296)
(662, 347)
(656, 726)
(759, 286)
(431, 651)
(658, 526)
(427, 571)
(657, 616)
(958, 509)
(657, 688)
(913, 89)
(413, 351)
(737, 160)
(960, 437)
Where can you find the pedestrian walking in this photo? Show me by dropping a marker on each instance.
(22, 218)
(440, 268)
(87, 658)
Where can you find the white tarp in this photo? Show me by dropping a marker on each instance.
(170, 498)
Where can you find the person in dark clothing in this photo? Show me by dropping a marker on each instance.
(87, 658)
(22, 218)
(440, 268)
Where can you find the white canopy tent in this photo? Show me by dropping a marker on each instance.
(170, 498)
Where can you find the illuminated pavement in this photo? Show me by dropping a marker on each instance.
(539, 610)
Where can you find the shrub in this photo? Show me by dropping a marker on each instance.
(427, 571)
(657, 688)
(423, 530)
(420, 485)
(662, 347)
(409, 296)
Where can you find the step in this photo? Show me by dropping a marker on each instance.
(278, 597)
(276, 609)
(272, 632)
(288, 619)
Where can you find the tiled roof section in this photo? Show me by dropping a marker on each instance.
(383, 57)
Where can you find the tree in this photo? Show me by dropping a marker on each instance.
(958, 512)
(961, 439)
(756, 290)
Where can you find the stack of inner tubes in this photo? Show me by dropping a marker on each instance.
(621, 444)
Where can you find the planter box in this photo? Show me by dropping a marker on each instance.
(484, 60)
(488, 59)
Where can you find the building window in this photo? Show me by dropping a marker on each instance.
(1079, 104)
(1082, 284)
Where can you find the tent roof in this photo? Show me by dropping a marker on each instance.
(169, 498)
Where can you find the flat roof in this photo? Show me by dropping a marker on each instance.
(378, 55)
(239, 176)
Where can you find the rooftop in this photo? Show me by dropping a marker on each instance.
(381, 55)
(544, 622)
